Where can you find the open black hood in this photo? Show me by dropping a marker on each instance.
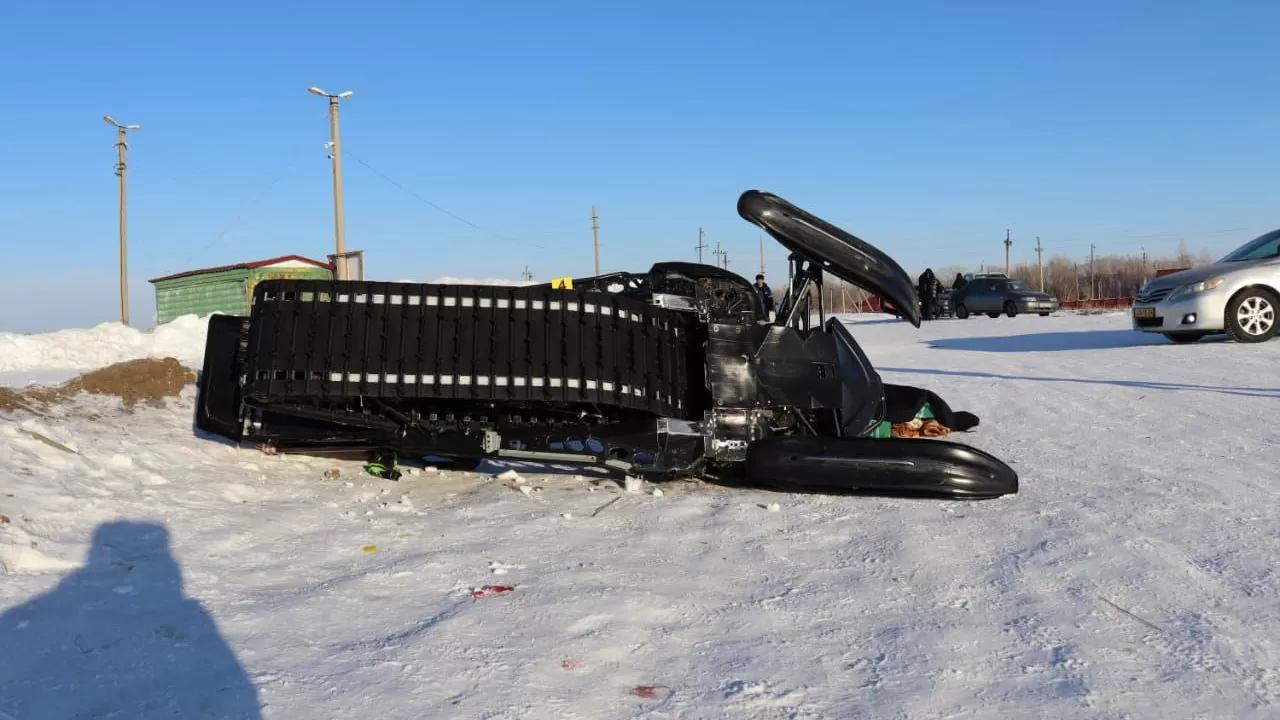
(837, 252)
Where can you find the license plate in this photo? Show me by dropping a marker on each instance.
(1144, 312)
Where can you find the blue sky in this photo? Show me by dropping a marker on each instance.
(927, 128)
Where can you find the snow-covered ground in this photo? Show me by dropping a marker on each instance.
(1132, 577)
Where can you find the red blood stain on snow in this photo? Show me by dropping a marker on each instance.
(648, 692)
(570, 664)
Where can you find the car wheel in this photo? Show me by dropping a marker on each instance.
(962, 312)
(1010, 309)
(1044, 314)
(1184, 338)
(1251, 315)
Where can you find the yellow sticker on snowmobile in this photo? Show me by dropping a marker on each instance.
(565, 283)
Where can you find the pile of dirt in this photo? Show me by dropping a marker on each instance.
(11, 399)
(148, 380)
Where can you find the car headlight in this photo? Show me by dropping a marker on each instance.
(1196, 288)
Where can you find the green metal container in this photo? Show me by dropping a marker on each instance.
(228, 289)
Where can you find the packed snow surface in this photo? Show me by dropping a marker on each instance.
(152, 573)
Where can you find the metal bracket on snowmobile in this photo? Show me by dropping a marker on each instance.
(677, 371)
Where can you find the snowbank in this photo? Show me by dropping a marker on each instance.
(55, 356)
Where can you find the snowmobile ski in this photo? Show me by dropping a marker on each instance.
(881, 466)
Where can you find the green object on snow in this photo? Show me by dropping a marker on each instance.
(885, 428)
(384, 466)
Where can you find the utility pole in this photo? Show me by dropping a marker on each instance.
(761, 254)
(335, 155)
(1040, 262)
(1093, 285)
(720, 255)
(526, 274)
(1144, 262)
(595, 236)
(700, 246)
(121, 150)
(1007, 244)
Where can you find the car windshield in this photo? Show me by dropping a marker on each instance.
(1260, 248)
(1004, 285)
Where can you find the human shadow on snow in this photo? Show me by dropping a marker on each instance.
(1057, 341)
(1144, 384)
(118, 638)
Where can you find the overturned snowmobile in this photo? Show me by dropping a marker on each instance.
(674, 372)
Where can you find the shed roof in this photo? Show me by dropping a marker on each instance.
(244, 266)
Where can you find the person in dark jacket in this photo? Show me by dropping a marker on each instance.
(959, 282)
(766, 295)
(927, 288)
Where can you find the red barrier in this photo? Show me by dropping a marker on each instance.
(872, 305)
(1119, 303)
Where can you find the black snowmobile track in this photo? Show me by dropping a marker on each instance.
(407, 342)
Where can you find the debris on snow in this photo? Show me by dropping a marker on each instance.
(489, 590)
(602, 507)
(634, 484)
(46, 440)
(512, 476)
(648, 692)
(498, 568)
(657, 492)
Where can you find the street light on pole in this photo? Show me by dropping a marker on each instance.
(335, 154)
(121, 151)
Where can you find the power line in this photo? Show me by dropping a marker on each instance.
(455, 216)
(252, 201)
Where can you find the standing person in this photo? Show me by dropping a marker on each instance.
(766, 295)
(927, 288)
(959, 282)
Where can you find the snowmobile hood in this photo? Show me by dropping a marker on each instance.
(849, 258)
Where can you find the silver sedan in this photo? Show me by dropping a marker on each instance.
(1238, 295)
